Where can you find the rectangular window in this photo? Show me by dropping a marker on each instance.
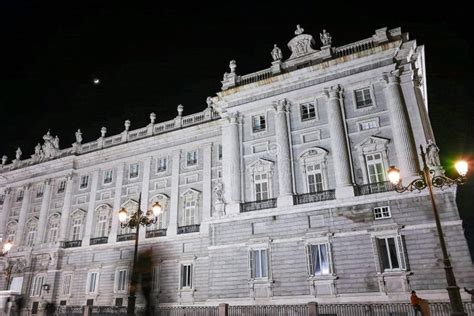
(259, 263)
(161, 164)
(375, 168)
(258, 123)
(2, 199)
(66, 286)
(40, 191)
(318, 259)
(261, 187)
(92, 282)
(37, 285)
(107, 176)
(84, 182)
(189, 210)
(61, 186)
(19, 195)
(102, 226)
(391, 253)
(315, 178)
(382, 212)
(219, 154)
(156, 279)
(186, 276)
(30, 238)
(133, 171)
(308, 111)
(76, 228)
(363, 98)
(53, 233)
(191, 158)
(121, 281)
(368, 125)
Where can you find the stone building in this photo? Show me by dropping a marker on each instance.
(275, 193)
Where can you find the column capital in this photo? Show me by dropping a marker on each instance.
(282, 106)
(233, 117)
(333, 92)
(47, 181)
(7, 190)
(69, 176)
(392, 77)
(26, 186)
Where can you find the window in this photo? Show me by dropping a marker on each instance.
(259, 263)
(161, 164)
(375, 168)
(101, 227)
(319, 262)
(62, 186)
(391, 253)
(261, 186)
(219, 152)
(53, 227)
(307, 111)
(121, 278)
(84, 182)
(2, 199)
(92, 282)
(19, 195)
(40, 191)
(11, 230)
(382, 212)
(76, 228)
(37, 285)
(191, 158)
(31, 235)
(258, 123)
(186, 276)
(315, 178)
(156, 279)
(190, 203)
(108, 174)
(133, 171)
(66, 286)
(363, 98)
(368, 125)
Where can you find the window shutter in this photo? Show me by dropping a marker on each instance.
(309, 260)
(402, 254)
(378, 259)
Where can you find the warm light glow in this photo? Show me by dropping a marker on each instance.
(7, 246)
(156, 209)
(96, 81)
(123, 214)
(393, 175)
(461, 167)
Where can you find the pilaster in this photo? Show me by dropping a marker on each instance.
(231, 169)
(43, 215)
(66, 211)
(206, 187)
(145, 204)
(5, 210)
(23, 215)
(117, 203)
(174, 199)
(91, 209)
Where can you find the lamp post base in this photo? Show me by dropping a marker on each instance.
(131, 305)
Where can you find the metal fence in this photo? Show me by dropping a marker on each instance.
(267, 310)
(188, 311)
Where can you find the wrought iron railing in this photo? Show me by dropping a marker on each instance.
(155, 233)
(315, 197)
(125, 237)
(372, 188)
(188, 311)
(188, 229)
(72, 243)
(64, 310)
(263, 310)
(99, 240)
(258, 205)
(108, 310)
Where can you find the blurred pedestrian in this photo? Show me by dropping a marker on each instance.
(144, 276)
(416, 303)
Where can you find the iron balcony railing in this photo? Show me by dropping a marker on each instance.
(372, 188)
(125, 237)
(258, 205)
(315, 197)
(188, 229)
(187, 311)
(99, 240)
(72, 243)
(263, 310)
(155, 233)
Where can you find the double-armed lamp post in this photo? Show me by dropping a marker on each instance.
(429, 179)
(135, 220)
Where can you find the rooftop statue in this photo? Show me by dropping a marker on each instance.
(432, 156)
(18, 154)
(276, 53)
(299, 30)
(78, 136)
(326, 38)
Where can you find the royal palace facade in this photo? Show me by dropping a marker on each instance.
(276, 193)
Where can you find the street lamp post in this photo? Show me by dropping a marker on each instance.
(428, 179)
(8, 269)
(136, 220)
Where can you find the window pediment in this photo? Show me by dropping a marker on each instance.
(130, 205)
(373, 143)
(316, 153)
(190, 191)
(261, 165)
(78, 213)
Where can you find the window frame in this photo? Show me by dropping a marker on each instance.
(194, 161)
(134, 175)
(61, 187)
(190, 275)
(20, 195)
(108, 176)
(400, 248)
(36, 288)
(307, 112)
(66, 290)
(121, 285)
(363, 94)
(159, 166)
(89, 280)
(309, 258)
(375, 162)
(264, 267)
(40, 191)
(383, 215)
(83, 185)
(375, 120)
(259, 129)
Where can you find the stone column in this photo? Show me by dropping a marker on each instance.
(231, 171)
(283, 155)
(5, 210)
(339, 149)
(23, 215)
(401, 129)
(43, 215)
(206, 187)
(91, 210)
(145, 193)
(117, 203)
(66, 211)
(174, 199)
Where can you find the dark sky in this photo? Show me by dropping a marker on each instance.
(152, 57)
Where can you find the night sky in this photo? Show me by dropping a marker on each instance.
(152, 57)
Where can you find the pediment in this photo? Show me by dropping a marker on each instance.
(190, 191)
(261, 165)
(314, 152)
(130, 205)
(373, 143)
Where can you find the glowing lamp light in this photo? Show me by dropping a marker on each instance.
(156, 209)
(393, 175)
(7, 246)
(96, 81)
(461, 167)
(123, 215)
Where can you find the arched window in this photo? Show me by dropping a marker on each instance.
(373, 159)
(77, 223)
(11, 230)
(190, 208)
(131, 206)
(102, 220)
(162, 220)
(53, 227)
(314, 167)
(31, 227)
(261, 172)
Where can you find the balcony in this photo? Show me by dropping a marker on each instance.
(155, 233)
(125, 237)
(315, 197)
(188, 229)
(99, 240)
(72, 244)
(372, 188)
(258, 205)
